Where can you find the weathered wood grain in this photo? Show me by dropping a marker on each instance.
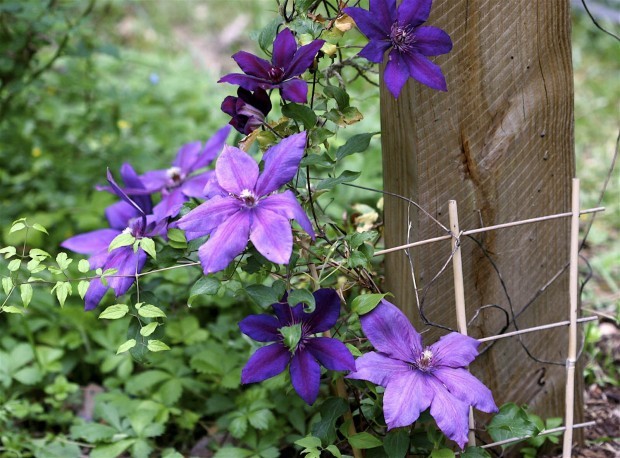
(500, 142)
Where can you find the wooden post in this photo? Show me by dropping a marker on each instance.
(501, 142)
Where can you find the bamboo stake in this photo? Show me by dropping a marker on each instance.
(537, 328)
(572, 328)
(459, 294)
(486, 229)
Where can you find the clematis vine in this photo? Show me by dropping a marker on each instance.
(287, 64)
(417, 377)
(293, 332)
(399, 31)
(242, 206)
(128, 216)
(248, 110)
(183, 180)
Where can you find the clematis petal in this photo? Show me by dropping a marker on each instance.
(450, 413)
(431, 41)
(226, 242)
(236, 171)
(303, 59)
(263, 328)
(281, 163)
(187, 155)
(119, 214)
(266, 362)
(287, 314)
(396, 72)
(170, 204)
(203, 219)
(154, 180)
(425, 71)
(326, 312)
(415, 12)
(286, 205)
(367, 23)
(378, 368)
(95, 292)
(212, 148)
(466, 387)
(213, 188)
(91, 242)
(390, 332)
(250, 83)
(407, 394)
(128, 264)
(272, 236)
(195, 186)
(135, 188)
(331, 353)
(375, 50)
(116, 189)
(251, 64)
(454, 350)
(305, 376)
(294, 90)
(284, 47)
(383, 12)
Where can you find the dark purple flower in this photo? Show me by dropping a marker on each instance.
(416, 377)
(129, 216)
(248, 110)
(242, 207)
(292, 331)
(399, 30)
(287, 63)
(180, 182)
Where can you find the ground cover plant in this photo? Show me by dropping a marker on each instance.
(276, 354)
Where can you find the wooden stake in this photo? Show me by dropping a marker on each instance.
(572, 328)
(459, 293)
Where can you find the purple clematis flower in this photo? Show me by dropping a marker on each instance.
(242, 206)
(416, 377)
(129, 215)
(400, 32)
(292, 331)
(287, 63)
(180, 182)
(248, 110)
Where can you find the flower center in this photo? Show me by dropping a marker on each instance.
(175, 176)
(135, 228)
(276, 74)
(402, 37)
(425, 361)
(249, 198)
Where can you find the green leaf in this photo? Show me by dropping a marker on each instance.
(28, 375)
(238, 426)
(157, 345)
(475, 452)
(261, 419)
(63, 289)
(7, 285)
(364, 440)
(114, 312)
(14, 265)
(149, 328)
(111, 450)
(122, 239)
(304, 296)
(331, 410)
(8, 251)
(176, 239)
(148, 245)
(233, 452)
(83, 287)
(63, 261)
(38, 227)
(268, 35)
(300, 113)
(365, 303)
(17, 226)
(396, 443)
(340, 95)
(309, 442)
(344, 177)
(125, 346)
(263, 295)
(83, 266)
(512, 421)
(204, 285)
(442, 453)
(26, 293)
(93, 432)
(355, 144)
(36, 253)
(334, 451)
(12, 309)
(150, 311)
